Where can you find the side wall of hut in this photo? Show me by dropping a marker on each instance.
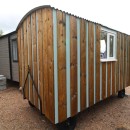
(63, 53)
(4, 57)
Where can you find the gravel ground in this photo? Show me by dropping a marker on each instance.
(16, 114)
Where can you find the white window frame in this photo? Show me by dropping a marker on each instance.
(14, 49)
(114, 34)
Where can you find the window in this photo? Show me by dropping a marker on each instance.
(107, 45)
(14, 50)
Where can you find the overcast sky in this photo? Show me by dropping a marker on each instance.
(111, 13)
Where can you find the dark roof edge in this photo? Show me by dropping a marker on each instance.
(48, 6)
(7, 34)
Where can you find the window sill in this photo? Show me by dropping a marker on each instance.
(15, 60)
(107, 60)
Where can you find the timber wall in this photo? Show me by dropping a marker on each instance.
(63, 52)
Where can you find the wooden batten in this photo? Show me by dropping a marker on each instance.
(63, 53)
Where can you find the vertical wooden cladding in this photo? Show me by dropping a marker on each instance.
(128, 69)
(97, 45)
(34, 55)
(113, 79)
(21, 51)
(45, 63)
(61, 29)
(50, 39)
(42, 39)
(25, 56)
(104, 80)
(19, 57)
(35, 44)
(122, 64)
(118, 63)
(83, 63)
(50, 65)
(29, 42)
(129, 61)
(91, 62)
(125, 61)
(40, 54)
(73, 64)
(108, 78)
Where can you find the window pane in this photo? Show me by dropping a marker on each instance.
(103, 45)
(111, 38)
(15, 54)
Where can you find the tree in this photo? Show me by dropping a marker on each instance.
(1, 33)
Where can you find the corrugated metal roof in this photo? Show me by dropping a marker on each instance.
(48, 6)
(7, 34)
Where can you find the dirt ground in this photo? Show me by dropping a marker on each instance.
(16, 114)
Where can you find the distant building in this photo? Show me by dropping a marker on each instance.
(9, 56)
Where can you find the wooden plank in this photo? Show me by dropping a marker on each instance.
(129, 60)
(91, 62)
(73, 64)
(128, 69)
(124, 62)
(34, 36)
(108, 78)
(113, 77)
(120, 42)
(50, 63)
(98, 30)
(29, 82)
(22, 56)
(62, 108)
(45, 64)
(26, 58)
(118, 62)
(19, 52)
(104, 80)
(40, 60)
(30, 56)
(121, 63)
(83, 63)
(120, 59)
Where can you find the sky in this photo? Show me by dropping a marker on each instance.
(111, 13)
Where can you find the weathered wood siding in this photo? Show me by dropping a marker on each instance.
(63, 52)
(4, 58)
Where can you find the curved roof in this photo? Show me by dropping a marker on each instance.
(42, 7)
(31, 11)
(48, 6)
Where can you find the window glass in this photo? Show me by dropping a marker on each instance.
(14, 50)
(111, 41)
(107, 45)
(103, 45)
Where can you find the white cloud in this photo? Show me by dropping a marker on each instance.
(114, 14)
